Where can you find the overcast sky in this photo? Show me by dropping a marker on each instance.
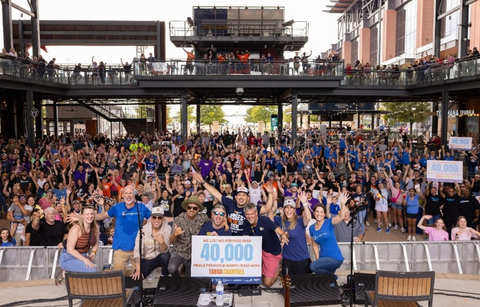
(322, 26)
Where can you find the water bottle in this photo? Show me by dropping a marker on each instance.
(219, 290)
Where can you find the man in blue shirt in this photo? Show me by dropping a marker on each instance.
(216, 226)
(127, 225)
(263, 226)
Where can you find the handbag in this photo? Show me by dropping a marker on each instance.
(64, 242)
(394, 199)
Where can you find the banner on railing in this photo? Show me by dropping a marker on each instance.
(445, 171)
(233, 260)
(461, 143)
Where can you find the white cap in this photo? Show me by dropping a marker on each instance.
(158, 211)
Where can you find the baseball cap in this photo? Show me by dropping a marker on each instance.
(157, 211)
(294, 184)
(289, 202)
(242, 190)
(254, 182)
(187, 182)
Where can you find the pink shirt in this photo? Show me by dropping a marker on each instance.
(436, 235)
(466, 235)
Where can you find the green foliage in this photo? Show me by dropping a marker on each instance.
(406, 112)
(191, 114)
(211, 113)
(169, 116)
(260, 114)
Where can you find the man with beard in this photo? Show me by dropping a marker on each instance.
(235, 212)
(215, 227)
(156, 242)
(127, 215)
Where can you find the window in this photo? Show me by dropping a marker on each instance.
(63, 127)
(406, 30)
(354, 50)
(400, 39)
(374, 46)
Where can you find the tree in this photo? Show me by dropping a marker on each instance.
(260, 114)
(169, 117)
(406, 112)
(211, 113)
(191, 116)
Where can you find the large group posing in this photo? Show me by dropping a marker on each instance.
(78, 192)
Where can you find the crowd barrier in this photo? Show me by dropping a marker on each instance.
(458, 257)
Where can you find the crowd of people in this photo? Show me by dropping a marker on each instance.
(78, 192)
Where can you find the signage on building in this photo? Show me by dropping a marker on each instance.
(454, 113)
(79, 128)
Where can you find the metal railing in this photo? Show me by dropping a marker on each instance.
(116, 74)
(459, 257)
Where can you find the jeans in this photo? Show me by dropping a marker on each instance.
(175, 262)
(361, 218)
(325, 265)
(72, 264)
(151, 264)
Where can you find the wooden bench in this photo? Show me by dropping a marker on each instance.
(103, 289)
(398, 289)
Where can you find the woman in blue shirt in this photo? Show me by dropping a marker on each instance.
(7, 239)
(412, 201)
(325, 247)
(295, 254)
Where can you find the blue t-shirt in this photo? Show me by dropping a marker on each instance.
(334, 208)
(412, 204)
(235, 216)
(207, 228)
(13, 243)
(405, 158)
(296, 249)
(266, 229)
(126, 224)
(325, 238)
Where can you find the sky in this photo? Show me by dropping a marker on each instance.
(322, 26)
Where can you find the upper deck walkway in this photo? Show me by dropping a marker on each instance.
(263, 82)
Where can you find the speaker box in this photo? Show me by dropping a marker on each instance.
(136, 298)
(180, 291)
(314, 289)
(363, 282)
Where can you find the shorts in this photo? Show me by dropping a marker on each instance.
(270, 264)
(397, 206)
(412, 215)
(381, 207)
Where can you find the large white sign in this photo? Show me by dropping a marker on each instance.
(231, 259)
(445, 171)
(462, 143)
(79, 128)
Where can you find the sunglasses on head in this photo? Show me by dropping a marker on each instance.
(194, 208)
(219, 213)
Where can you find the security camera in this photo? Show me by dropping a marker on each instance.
(239, 91)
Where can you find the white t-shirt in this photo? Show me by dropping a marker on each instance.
(255, 195)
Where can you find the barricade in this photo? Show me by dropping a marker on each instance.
(458, 257)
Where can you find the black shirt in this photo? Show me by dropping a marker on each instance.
(433, 204)
(51, 235)
(468, 206)
(452, 206)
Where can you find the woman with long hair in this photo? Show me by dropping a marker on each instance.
(325, 247)
(295, 254)
(412, 202)
(436, 233)
(462, 232)
(82, 245)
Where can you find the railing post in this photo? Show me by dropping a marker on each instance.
(377, 260)
(30, 263)
(429, 259)
(54, 264)
(457, 258)
(405, 256)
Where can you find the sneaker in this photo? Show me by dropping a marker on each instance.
(379, 229)
(409, 238)
(367, 224)
(395, 228)
(387, 231)
(402, 230)
(389, 225)
(150, 278)
(375, 221)
(414, 238)
(381, 224)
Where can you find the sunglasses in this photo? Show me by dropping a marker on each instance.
(194, 208)
(157, 217)
(219, 213)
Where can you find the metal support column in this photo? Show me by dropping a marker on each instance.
(7, 24)
(39, 120)
(158, 54)
(30, 117)
(35, 28)
(158, 116)
(55, 119)
(463, 37)
(198, 118)
(294, 118)
(434, 118)
(184, 117)
(437, 29)
(445, 107)
(280, 119)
